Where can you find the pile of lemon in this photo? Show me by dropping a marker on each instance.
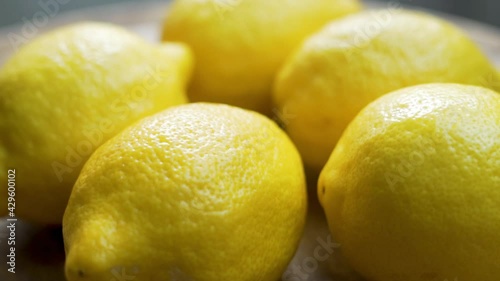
(392, 112)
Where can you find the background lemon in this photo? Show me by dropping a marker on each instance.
(67, 92)
(197, 192)
(240, 45)
(351, 62)
(412, 190)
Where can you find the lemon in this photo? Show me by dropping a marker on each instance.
(67, 92)
(351, 62)
(197, 192)
(412, 190)
(239, 45)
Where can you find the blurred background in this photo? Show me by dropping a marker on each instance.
(488, 11)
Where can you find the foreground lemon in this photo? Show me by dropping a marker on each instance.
(65, 93)
(239, 45)
(412, 190)
(198, 192)
(351, 62)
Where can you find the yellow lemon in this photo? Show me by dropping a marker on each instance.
(351, 62)
(412, 190)
(67, 92)
(200, 192)
(239, 45)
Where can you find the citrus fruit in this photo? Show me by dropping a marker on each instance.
(197, 192)
(353, 61)
(240, 45)
(65, 93)
(412, 190)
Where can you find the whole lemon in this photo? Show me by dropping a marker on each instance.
(200, 192)
(412, 190)
(240, 45)
(68, 91)
(353, 61)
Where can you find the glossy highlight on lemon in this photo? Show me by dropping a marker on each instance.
(351, 62)
(239, 45)
(412, 190)
(68, 91)
(200, 192)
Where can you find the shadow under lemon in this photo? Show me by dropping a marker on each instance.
(39, 252)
